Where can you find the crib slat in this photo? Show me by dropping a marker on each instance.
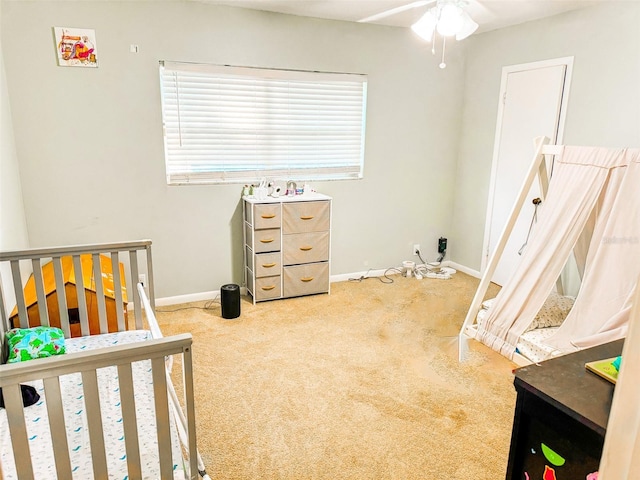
(133, 265)
(102, 308)
(162, 417)
(187, 379)
(62, 297)
(40, 294)
(94, 422)
(130, 421)
(17, 287)
(18, 430)
(117, 286)
(4, 324)
(82, 298)
(151, 289)
(57, 427)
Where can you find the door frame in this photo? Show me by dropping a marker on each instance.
(568, 63)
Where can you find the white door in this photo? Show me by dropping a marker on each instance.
(532, 103)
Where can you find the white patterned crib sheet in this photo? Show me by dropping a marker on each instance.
(76, 421)
(553, 312)
(532, 344)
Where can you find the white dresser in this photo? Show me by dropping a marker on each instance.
(287, 244)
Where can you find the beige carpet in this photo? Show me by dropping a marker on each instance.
(363, 383)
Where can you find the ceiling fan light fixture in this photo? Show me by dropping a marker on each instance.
(426, 26)
(448, 18)
(451, 20)
(467, 28)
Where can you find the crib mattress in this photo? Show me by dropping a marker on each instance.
(76, 422)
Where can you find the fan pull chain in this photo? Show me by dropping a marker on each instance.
(433, 42)
(444, 44)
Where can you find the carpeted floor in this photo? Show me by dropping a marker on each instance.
(363, 383)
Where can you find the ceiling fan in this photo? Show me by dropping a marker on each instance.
(396, 10)
(447, 18)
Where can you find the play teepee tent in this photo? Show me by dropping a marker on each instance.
(591, 207)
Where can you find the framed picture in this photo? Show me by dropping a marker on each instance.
(76, 47)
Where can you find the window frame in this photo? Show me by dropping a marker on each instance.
(285, 147)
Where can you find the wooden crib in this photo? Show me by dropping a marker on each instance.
(107, 406)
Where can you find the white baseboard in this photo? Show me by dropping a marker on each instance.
(343, 277)
(379, 273)
(203, 296)
(462, 268)
(192, 297)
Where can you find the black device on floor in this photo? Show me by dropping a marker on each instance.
(230, 300)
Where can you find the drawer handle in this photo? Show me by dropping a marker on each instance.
(307, 217)
(268, 287)
(306, 248)
(266, 240)
(268, 215)
(268, 265)
(306, 279)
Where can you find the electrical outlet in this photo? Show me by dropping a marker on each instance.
(416, 249)
(442, 245)
(142, 278)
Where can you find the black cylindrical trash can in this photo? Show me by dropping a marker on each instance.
(230, 300)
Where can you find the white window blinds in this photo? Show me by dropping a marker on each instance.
(236, 124)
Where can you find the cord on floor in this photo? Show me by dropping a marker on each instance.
(385, 275)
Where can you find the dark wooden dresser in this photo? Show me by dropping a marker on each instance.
(565, 407)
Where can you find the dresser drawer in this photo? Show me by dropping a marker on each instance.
(265, 215)
(267, 264)
(263, 264)
(305, 248)
(303, 217)
(263, 240)
(306, 279)
(268, 287)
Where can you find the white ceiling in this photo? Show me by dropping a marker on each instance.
(489, 14)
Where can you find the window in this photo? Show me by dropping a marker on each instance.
(236, 124)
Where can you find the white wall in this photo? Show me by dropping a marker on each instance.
(604, 100)
(13, 225)
(90, 148)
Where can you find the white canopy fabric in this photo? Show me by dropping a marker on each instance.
(593, 205)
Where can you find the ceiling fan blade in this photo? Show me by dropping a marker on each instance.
(394, 11)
